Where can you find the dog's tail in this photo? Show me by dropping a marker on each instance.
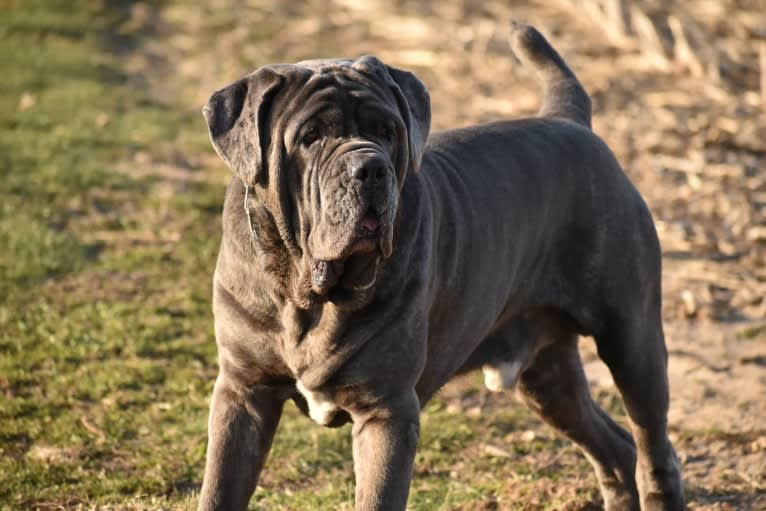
(564, 96)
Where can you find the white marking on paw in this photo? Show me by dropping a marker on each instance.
(321, 408)
(501, 376)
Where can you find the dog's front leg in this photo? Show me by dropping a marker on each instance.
(385, 439)
(240, 430)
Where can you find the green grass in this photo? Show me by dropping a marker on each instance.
(107, 352)
(107, 356)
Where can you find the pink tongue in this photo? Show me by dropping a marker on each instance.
(370, 223)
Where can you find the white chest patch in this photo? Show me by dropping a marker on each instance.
(501, 376)
(321, 408)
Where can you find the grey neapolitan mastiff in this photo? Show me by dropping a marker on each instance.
(364, 263)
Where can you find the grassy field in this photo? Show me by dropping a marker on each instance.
(110, 203)
(105, 335)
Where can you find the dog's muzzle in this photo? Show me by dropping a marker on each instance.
(367, 231)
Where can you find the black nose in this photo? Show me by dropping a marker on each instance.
(368, 168)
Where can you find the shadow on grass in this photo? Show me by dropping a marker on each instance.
(726, 499)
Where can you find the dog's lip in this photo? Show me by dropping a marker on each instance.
(325, 274)
(364, 244)
(327, 270)
(362, 241)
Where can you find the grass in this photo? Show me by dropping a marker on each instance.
(107, 355)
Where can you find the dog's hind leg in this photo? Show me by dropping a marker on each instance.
(633, 346)
(554, 386)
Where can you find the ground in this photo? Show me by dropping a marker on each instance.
(110, 219)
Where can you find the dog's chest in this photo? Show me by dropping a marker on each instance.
(313, 354)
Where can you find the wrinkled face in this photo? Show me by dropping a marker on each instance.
(326, 145)
(341, 156)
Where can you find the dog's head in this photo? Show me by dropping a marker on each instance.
(325, 146)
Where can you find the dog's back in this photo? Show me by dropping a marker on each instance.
(536, 199)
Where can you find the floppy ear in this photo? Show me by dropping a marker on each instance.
(237, 118)
(415, 107)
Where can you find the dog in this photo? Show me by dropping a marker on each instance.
(364, 263)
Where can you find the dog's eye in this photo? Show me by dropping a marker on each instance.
(310, 137)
